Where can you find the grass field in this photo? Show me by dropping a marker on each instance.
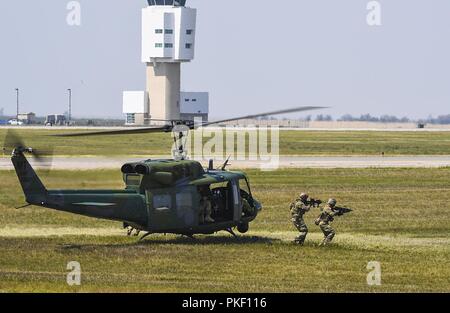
(291, 143)
(401, 219)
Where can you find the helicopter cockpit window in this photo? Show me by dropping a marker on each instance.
(245, 187)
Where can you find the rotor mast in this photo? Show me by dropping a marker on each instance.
(180, 133)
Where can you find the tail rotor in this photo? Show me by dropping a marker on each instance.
(14, 144)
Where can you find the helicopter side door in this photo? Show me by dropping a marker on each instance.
(172, 208)
(226, 201)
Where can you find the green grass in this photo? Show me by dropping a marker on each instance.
(213, 265)
(291, 143)
(401, 219)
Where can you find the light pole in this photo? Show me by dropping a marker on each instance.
(17, 103)
(70, 104)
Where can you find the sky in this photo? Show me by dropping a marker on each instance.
(251, 56)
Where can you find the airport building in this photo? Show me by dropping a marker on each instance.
(136, 108)
(27, 118)
(168, 39)
(194, 105)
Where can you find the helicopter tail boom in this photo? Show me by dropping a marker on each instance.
(119, 205)
(35, 192)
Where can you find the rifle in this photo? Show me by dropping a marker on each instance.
(314, 202)
(341, 210)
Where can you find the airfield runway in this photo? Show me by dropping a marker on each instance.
(91, 163)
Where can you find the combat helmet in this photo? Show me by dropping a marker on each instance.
(332, 202)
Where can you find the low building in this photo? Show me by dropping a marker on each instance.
(137, 107)
(194, 105)
(27, 118)
(55, 120)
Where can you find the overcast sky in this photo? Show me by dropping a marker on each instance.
(251, 56)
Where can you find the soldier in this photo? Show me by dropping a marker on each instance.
(130, 230)
(298, 209)
(206, 209)
(324, 220)
(247, 210)
(205, 205)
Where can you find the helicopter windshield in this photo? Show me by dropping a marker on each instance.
(245, 187)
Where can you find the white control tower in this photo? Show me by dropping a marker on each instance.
(168, 39)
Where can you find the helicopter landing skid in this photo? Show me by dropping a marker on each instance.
(190, 236)
(230, 230)
(146, 235)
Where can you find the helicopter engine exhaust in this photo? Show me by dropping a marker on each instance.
(129, 168)
(135, 168)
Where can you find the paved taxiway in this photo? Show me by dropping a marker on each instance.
(90, 163)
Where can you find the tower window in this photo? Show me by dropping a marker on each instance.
(168, 31)
(131, 118)
(188, 46)
(158, 31)
(158, 45)
(189, 31)
(168, 45)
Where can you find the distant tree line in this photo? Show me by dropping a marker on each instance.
(441, 119)
(369, 118)
(324, 118)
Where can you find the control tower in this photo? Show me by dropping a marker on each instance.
(168, 39)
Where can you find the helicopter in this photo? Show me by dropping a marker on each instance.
(170, 196)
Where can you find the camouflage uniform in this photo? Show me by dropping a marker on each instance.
(206, 211)
(247, 210)
(324, 220)
(298, 209)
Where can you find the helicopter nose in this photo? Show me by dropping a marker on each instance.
(258, 206)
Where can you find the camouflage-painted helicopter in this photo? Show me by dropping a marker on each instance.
(174, 196)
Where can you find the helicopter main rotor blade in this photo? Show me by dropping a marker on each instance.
(253, 116)
(163, 129)
(190, 124)
(158, 120)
